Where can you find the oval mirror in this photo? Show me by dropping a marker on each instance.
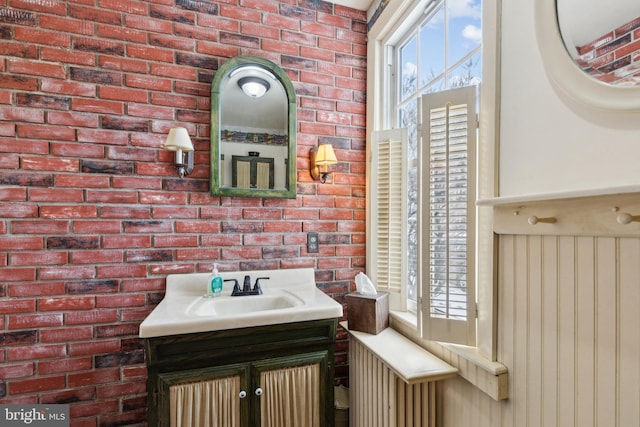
(563, 70)
(253, 130)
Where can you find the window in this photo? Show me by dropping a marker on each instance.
(422, 196)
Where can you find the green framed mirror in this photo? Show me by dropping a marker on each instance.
(253, 130)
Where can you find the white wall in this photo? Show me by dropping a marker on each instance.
(548, 142)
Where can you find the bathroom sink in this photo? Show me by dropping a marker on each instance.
(288, 296)
(233, 306)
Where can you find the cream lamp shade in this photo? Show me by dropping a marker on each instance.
(320, 158)
(325, 156)
(178, 139)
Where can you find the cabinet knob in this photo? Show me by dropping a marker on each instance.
(259, 391)
(242, 394)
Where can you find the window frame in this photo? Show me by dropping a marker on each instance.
(384, 31)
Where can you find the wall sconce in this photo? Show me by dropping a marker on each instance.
(321, 158)
(253, 86)
(178, 140)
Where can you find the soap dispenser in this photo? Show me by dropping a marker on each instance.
(214, 287)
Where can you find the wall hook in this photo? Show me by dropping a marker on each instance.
(625, 218)
(533, 220)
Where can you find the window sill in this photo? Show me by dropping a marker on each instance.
(409, 361)
(490, 377)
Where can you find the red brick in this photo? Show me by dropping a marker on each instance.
(67, 57)
(97, 106)
(94, 347)
(126, 241)
(17, 306)
(175, 241)
(101, 376)
(82, 181)
(18, 274)
(34, 321)
(128, 212)
(57, 273)
(53, 8)
(36, 289)
(64, 365)
(56, 211)
(197, 227)
(197, 254)
(122, 64)
(263, 239)
(17, 66)
(18, 114)
(283, 22)
(21, 243)
(66, 303)
(37, 384)
(90, 317)
(16, 370)
(124, 34)
(50, 164)
(13, 194)
(90, 407)
(49, 38)
(123, 94)
(105, 196)
(63, 24)
(122, 389)
(122, 271)
(39, 258)
(150, 53)
(120, 300)
(283, 226)
(65, 334)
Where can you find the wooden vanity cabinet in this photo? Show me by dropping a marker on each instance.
(252, 172)
(269, 376)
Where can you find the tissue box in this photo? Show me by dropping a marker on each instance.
(368, 313)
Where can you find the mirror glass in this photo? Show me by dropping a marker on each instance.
(603, 38)
(253, 130)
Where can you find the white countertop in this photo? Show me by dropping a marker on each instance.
(176, 313)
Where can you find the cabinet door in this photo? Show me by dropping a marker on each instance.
(208, 397)
(291, 391)
(252, 172)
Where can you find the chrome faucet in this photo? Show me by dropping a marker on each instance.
(246, 287)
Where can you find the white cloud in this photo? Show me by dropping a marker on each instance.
(464, 8)
(473, 33)
(409, 69)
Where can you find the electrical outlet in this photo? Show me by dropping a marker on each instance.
(313, 243)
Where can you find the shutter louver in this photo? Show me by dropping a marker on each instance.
(448, 194)
(389, 203)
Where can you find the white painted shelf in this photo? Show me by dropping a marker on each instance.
(405, 358)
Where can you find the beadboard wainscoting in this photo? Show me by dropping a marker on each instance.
(568, 318)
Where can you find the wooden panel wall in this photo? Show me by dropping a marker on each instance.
(569, 333)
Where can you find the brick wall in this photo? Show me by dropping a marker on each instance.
(92, 214)
(614, 57)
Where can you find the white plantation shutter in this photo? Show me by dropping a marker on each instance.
(447, 227)
(387, 204)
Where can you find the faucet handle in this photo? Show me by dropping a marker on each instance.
(257, 287)
(236, 287)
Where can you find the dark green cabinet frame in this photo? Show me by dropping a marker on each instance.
(177, 359)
